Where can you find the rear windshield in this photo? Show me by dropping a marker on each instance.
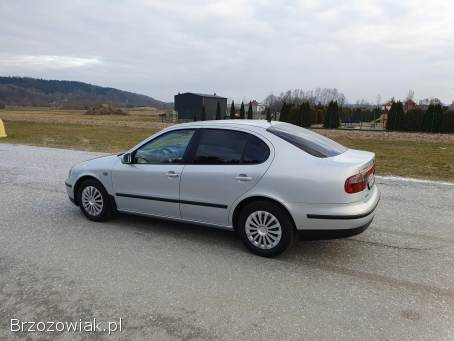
(312, 143)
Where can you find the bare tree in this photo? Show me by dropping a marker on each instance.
(274, 103)
(321, 96)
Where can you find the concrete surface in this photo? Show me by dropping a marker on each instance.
(170, 281)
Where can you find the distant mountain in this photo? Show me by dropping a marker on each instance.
(40, 92)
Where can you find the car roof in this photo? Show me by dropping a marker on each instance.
(264, 124)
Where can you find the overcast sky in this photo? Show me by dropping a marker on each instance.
(236, 48)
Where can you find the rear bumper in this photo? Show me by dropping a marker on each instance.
(336, 216)
(331, 234)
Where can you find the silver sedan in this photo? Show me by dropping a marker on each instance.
(265, 180)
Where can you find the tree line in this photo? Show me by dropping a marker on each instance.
(305, 114)
(233, 113)
(328, 107)
(434, 119)
(242, 113)
(319, 96)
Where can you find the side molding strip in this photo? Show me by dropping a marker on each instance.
(187, 202)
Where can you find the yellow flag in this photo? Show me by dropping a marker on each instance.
(2, 129)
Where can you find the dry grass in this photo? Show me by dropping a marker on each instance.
(74, 136)
(386, 135)
(429, 156)
(419, 155)
(135, 118)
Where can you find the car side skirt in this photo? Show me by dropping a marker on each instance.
(162, 217)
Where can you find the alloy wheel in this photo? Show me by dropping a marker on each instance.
(92, 200)
(263, 230)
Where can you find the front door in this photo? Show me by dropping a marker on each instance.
(151, 184)
(226, 164)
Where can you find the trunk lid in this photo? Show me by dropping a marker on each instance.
(359, 164)
(357, 159)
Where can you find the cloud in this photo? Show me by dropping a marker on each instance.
(237, 48)
(45, 62)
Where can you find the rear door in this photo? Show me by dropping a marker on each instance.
(225, 164)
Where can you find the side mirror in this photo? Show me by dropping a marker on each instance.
(126, 158)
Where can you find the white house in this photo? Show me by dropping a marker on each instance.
(258, 109)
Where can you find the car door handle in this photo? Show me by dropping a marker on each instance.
(172, 174)
(243, 177)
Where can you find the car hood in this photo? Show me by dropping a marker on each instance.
(100, 162)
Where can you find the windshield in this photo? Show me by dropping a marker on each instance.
(306, 140)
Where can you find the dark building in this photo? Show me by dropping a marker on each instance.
(189, 104)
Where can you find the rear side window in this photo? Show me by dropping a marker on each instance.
(219, 146)
(256, 151)
(308, 141)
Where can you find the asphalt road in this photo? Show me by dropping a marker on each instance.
(170, 281)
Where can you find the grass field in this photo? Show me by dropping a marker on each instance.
(136, 118)
(418, 159)
(428, 156)
(92, 138)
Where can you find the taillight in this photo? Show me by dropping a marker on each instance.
(358, 182)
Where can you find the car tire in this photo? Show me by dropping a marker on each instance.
(265, 228)
(94, 201)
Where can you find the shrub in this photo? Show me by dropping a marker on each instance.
(447, 125)
(413, 120)
(301, 115)
(250, 115)
(359, 115)
(432, 120)
(232, 111)
(285, 113)
(294, 115)
(396, 117)
(319, 115)
(104, 109)
(242, 111)
(332, 116)
(308, 115)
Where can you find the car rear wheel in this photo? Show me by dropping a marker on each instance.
(265, 228)
(94, 201)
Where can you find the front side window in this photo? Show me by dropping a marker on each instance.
(167, 148)
(219, 146)
(312, 143)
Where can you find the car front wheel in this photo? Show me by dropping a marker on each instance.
(94, 201)
(265, 228)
